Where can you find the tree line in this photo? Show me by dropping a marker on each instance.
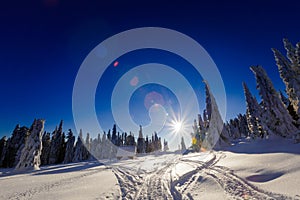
(277, 114)
(58, 147)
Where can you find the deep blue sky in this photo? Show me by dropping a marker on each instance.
(43, 43)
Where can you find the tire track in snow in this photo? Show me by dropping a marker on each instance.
(159, 184)
(234, 186)
(129, 183)
(188, 180)
(237, 187)
(146, 185)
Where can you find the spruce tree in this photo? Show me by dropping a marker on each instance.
(141, 142)
(183, 147)
(289, 70)
(69, 147)
(79, 149)
(15, 145)
(214, 132)
(3, 146)
(256, 125)
(275, 115)
(46, 143)
(57, 149)
(114, 135)
(31, 152)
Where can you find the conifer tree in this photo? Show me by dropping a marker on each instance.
(183, 147)
(31, 152)
(69, 147)
(289, 70)
(46, 143)
(275, 115)
(79, 149)
(214, 131)
(257, 127)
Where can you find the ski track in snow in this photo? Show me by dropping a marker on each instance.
(160, 184)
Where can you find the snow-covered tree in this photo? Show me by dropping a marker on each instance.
(57, 149)
(114, 142)
(104, 146)
(69, 147)
(95, 151)
(3, 146)
(156, 142)
(183, 147)
(275, 115)
(31, 152)
(15, 145)
(94, 148)
(196, 137)
(46, 143)
(257, 127)
(114, 135)
(200, 122)
(147, 145)
(141, 148)
(214, 132)
(289, 70)
(226, 131)
(284, 99)
(86, 154)
(166, 146)
(199, 131)
(79, 149)
(234, 130)
(243, 125)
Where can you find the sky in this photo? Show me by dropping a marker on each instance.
(43, 44)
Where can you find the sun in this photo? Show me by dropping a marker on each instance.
(177, 125)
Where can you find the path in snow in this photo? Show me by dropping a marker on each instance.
(168, 181)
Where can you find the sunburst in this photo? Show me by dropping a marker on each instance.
(176, 126)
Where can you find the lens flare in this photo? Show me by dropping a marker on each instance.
(134, 81)
(105, 55)
(116, 63)
(177, 126)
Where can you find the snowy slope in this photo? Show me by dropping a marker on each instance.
(256, 170)
(85, 180)
(272, 165)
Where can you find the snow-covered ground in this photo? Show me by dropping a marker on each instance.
(256, 170)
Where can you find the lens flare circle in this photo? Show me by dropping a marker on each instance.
(148, 73)
(108, 51)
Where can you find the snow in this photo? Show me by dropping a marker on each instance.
(270, 165)
(83, 180)
(261, 169)
(126, 152)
